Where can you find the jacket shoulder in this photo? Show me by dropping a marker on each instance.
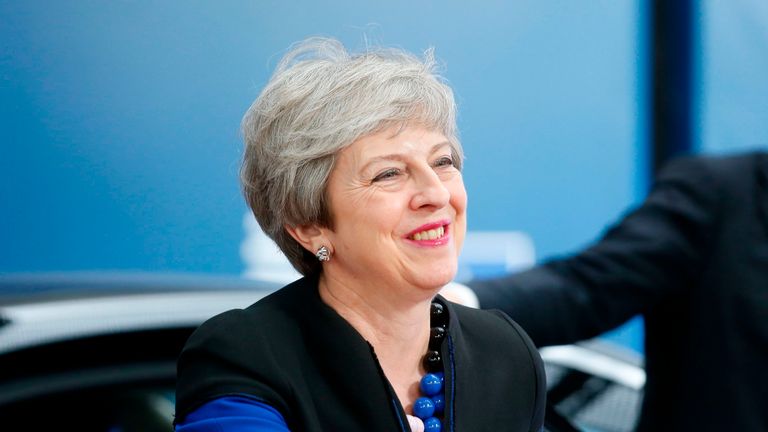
(493, 326)
(241, 351)
(720, 167)
(265, 319)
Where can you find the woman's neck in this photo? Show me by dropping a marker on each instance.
(396, 327)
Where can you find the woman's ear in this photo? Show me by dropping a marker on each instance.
(310, 237)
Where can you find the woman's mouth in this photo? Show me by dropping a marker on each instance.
(430, 234)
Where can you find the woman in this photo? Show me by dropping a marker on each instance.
(352, 165)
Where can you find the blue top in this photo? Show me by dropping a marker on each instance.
(233, 413)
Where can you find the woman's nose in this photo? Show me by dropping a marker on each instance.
(430, 191)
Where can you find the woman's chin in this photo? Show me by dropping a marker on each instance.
(434, 281)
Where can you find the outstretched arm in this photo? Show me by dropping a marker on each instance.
(654, 252)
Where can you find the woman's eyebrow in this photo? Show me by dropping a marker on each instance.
(383, 158)
(439, 145)
(399, 157)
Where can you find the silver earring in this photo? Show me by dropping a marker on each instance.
(323, 254)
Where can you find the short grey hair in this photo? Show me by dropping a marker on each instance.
(321, 99)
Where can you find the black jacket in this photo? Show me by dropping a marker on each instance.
(693, 259)
(298, 355)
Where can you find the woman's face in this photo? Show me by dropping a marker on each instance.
(399, 209)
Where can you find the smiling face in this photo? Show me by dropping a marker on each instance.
(398, 206)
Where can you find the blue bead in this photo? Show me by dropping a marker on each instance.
(440, 375)
(432, 424)
(430, 384)
(423, 408)
(439, 401)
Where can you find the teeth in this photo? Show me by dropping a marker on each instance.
(430, 234)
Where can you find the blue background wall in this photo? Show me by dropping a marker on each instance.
(119, 141)
(732, 77)
(119, 120)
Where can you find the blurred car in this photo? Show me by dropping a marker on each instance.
(593, 386)
(97, 352)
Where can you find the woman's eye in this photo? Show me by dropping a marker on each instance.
(388, 174)
(444, 161)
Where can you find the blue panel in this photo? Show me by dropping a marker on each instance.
(119, 120)
(733, 76)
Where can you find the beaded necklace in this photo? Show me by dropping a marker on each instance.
(429, 408)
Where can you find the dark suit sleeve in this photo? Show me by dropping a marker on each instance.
(655, 251)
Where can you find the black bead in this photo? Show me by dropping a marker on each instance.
(437, 315)
(433, 362)
(436, 336)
